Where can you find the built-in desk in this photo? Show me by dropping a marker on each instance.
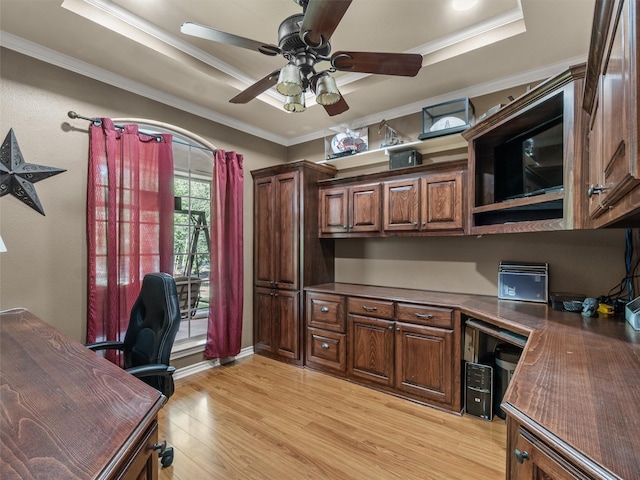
(575, 391)
(67, 413)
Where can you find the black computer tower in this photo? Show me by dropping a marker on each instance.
(478, 392)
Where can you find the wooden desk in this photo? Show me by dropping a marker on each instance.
(67, 413)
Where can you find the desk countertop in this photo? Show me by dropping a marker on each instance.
(66, 412)
(577, 382)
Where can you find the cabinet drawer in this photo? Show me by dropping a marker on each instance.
(425, 315)
(370, 308)
(325, 311)
(326, 349)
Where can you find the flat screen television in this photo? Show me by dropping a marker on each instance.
(530, 163)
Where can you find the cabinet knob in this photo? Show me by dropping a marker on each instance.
(423, 315)
(593, 189)
(397, 329)
(369, 309)
(390, 327)
(521, 456)
(325, 346)
(324, 309)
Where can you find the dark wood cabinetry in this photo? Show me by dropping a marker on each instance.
(427, 203)
(288, 255)
(525, 161)
(409, 349)
(531, 458)
(350, 209)
(611, 98)
(412, 201)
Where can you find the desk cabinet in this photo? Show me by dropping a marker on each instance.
(409, 349)
(531, 458)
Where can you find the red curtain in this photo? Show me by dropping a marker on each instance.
(129, 221)
(224, 334)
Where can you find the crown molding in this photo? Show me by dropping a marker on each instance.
(34, 50)
(47, 55)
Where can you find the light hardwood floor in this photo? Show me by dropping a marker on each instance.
(261, 419)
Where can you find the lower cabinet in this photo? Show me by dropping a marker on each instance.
(530, 458)
(276, 331)
(411, 350)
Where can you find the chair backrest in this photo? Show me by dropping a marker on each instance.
(153, 325)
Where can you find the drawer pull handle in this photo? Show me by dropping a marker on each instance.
(369, 309)
(325, 346)
(324, 309)
(521, 456)
(428, 316)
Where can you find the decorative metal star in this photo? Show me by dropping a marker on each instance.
(18, 177)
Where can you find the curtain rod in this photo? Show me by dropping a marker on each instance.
(97, 122)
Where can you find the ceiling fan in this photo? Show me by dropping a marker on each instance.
(303, 40)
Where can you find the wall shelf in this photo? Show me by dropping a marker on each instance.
(435, 149)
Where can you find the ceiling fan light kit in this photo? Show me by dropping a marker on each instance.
(327, 91)
(290, 81)
(303, 40)
(295, 103)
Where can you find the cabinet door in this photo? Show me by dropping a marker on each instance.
(364, 201)
(535, 460)
(263, 231)
(263, 320)
(370, 354)
(287, 231)
(424, 362)
(334, 213)
(144, 462)
(400, 205)
(287, 323)
(441, 198)
(618, 158)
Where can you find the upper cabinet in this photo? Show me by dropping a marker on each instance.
(525, 168)
(612, 100)
(420, 200)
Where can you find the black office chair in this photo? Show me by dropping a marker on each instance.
(153, 325)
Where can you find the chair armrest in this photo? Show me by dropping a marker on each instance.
(151, 370)
(110, 345)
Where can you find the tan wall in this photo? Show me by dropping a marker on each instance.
(588, 262)
(44, 268)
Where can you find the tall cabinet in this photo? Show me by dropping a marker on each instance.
(287, 254)
(612, 99)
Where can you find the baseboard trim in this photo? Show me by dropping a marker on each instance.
(207, 364)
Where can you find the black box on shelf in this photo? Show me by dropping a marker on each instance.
(404, 158)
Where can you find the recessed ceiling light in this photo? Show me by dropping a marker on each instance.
(461, 5)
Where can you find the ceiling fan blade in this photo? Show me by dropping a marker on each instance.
(257, 88)
(209, 33)
(403, 64)
(321, 19)
(337, 108)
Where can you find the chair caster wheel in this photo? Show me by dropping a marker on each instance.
(166, 459)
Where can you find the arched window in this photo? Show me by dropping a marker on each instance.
(193, 175)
